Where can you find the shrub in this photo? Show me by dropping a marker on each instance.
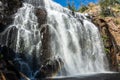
(71, 6)
(106, 7)
(83, 8)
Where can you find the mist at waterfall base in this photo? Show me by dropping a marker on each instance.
(73, 39)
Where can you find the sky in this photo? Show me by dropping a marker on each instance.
(76, 2)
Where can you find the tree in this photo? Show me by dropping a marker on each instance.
(71, 6)
(83, 8)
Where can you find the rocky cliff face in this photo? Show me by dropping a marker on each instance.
(7, 68)
(114, 30)
(109, 40)
(8, 65)
(109, 28)
(7, 9)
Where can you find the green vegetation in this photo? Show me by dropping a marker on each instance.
(83, 8)
(105, 38)
(106, 3)
(106, 7)
(71, 6)
(107, 50)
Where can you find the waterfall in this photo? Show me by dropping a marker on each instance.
(28, 36)
(76, 40)
(72, 38)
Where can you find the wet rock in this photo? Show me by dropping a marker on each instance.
(10, 75)
(49, 68)
(41, 15)
(2, 27)
(8, 70)
(22, 66)
(11, 6)
(8, 37)
(8, 54)
(45, 49)
(7, 9)
(6, 64)
(1, 7)
(12, 66)
(2, 65)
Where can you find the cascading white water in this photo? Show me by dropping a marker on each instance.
(28, 37)
(78, 44)
(73, 38)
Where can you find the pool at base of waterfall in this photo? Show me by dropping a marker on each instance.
(93, 76)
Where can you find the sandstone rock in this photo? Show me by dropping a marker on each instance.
(91, 4)
(109, 41)
(93, 10)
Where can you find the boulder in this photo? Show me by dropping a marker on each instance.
(49, 68)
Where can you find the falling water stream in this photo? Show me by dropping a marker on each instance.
(74, 38)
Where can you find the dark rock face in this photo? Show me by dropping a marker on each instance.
(44, 30)
(46, 50)
(41, 15)
(7, 9)
(49, 68)
(10, 66)
(10, 7)
(7, 68)
(9, 38)
(8, 54)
